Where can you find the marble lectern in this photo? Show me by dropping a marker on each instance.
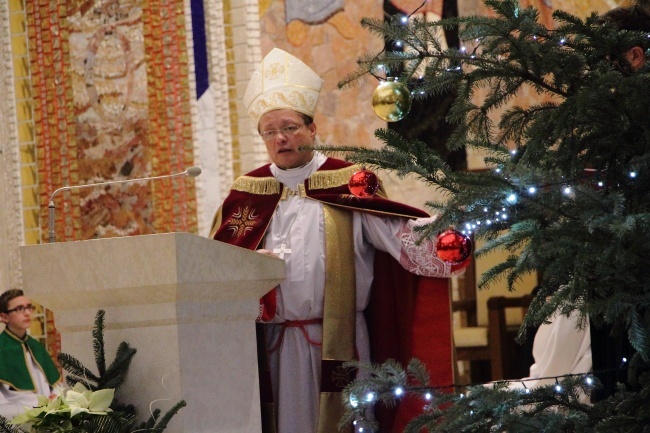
(187, 304)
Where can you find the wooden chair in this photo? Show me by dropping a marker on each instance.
(494, 342)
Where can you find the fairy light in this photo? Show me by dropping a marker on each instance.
(633, 174)
(354, 401)
(399, 391)
(567, 190)
(398, 43)
(370, 397)
(600, 184)
(589, 380)
(532, 190)
(513, 152)
(404, 19)
(497, 170)
(512, 198)
(428, 396)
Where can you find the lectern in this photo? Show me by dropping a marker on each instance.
(187, 304)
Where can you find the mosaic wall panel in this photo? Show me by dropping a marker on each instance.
(112, 102)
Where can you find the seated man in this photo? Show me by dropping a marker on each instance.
(26, 368)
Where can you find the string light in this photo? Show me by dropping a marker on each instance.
(404, 19)
(427, 392)
(633, 174)
(532, 190)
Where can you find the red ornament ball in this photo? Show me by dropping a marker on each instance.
(363, 183)
(453, 247)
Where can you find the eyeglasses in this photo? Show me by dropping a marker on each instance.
(287, 131)
(22, 308)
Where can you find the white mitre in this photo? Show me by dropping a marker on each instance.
(281, 81)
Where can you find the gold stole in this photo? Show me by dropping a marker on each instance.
(339, 316)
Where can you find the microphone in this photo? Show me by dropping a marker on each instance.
(189, 171)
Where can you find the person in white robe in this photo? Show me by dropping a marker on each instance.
(561, 347)
(281, 99)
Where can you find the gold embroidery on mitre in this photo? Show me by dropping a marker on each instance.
(303, 101)
(332, 178)
(242, 221)
(274, 70)
(257, 185)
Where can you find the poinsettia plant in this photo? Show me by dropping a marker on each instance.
(89, 405)
(77, 409)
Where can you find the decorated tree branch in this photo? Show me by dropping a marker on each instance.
(566, 190)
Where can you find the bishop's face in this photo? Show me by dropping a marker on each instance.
(283, 132)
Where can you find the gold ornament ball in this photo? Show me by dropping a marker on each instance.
(391, 101)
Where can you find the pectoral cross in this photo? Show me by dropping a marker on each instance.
(282, 250)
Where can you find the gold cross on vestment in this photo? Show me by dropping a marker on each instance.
(242, 221)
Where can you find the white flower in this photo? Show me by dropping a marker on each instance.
(79, 399)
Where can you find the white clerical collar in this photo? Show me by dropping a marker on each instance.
(294, 176)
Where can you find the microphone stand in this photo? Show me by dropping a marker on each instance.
(190, 171)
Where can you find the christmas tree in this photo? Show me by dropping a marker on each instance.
(567, 192)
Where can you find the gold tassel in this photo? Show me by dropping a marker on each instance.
(332, 178)
(257, 185)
